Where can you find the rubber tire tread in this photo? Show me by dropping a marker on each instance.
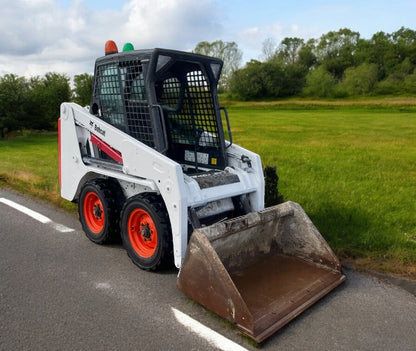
(112, 198)
(164, 256)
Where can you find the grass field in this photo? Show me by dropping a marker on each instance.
(29, 163)
(352, 168)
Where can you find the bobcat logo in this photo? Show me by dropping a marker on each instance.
(99, 130)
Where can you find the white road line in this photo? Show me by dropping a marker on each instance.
(208, 334)
(36, 215)
(39, 217)
(60, 227)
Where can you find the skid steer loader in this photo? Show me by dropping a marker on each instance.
(149, 160)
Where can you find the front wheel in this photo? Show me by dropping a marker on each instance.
(146, 233)
(99, 210)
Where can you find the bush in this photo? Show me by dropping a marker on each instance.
(257, 80)
(410, 83)
(271, 194)
(359, 80)
(319, 83)
(393, 84)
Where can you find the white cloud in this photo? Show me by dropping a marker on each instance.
(250, 40)
(40, 36)
(169, 23)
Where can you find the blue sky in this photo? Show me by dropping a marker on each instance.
(320, 16)
(67, 35)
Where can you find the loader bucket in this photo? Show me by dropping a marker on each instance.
(260, 270)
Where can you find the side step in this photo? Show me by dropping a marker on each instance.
(260, 270)
(100, 163)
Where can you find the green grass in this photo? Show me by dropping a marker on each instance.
(351, 167)
(29, 164)
(353, 170)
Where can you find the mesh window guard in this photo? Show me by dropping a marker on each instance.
(109, 94)
(122, 96)
(190, 110)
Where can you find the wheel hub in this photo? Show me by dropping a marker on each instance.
(146, 232)
(97, 211)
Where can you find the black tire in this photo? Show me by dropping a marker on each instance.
(146, 232)
(99, 210)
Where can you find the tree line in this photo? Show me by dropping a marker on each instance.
(338, 64)
(34, 103)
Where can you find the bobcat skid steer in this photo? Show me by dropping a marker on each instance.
(149, 161)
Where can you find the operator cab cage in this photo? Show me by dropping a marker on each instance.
(167, 100)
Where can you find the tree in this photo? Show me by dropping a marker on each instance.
(293, 79)
(380, 50)
(288, 51)
(47, 94)
(228, 52)
(258, 80)
(404, 41)
(268, 49)
(246, 83)
(296, 58)
(336, 50)
(13, 103)
(306, 55)
(83, 88)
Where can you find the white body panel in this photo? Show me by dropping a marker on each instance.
(145, 169)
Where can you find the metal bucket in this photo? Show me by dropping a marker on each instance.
(260, 270)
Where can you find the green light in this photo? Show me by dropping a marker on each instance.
(128, 47)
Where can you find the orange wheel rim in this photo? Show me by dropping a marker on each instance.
(93, 212)
(142, 233)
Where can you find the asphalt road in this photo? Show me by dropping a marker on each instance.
(59, 291)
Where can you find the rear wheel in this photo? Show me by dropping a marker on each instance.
(99, 210)
(146, 232)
